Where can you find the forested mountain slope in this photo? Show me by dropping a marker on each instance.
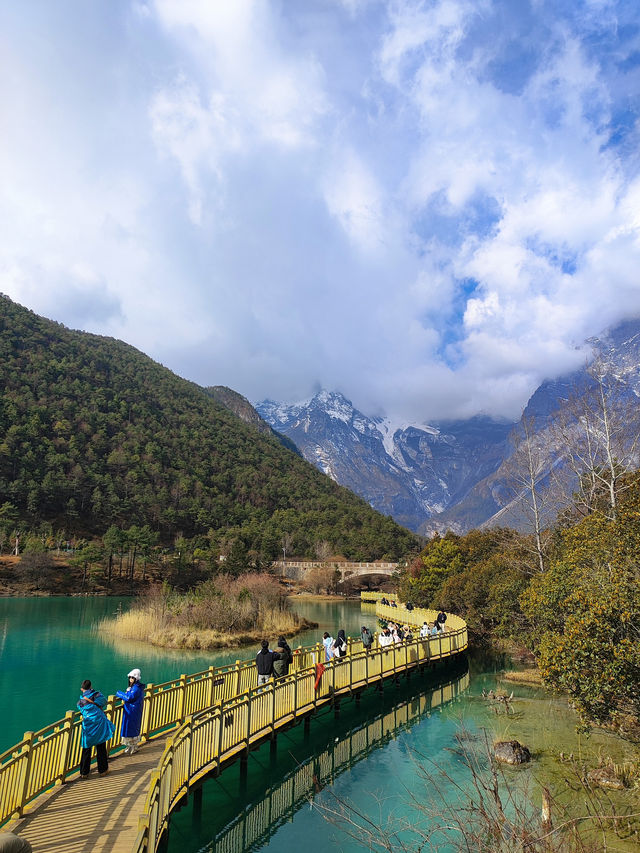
(94, 433)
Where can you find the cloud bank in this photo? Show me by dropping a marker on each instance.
(428, 206)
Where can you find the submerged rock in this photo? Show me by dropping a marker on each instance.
(511, 752)
(605, 777)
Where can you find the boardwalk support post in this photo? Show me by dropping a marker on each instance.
(197, 808)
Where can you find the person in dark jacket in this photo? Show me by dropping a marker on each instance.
(132, 698)
(367, 638)
(97, 729)
(281, 665)
(264, 662)
(440, 620)
(340, 644)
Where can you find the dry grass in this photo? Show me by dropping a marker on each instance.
(524, 676)
(222, 614)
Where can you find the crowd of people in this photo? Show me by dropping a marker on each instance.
(275, 663)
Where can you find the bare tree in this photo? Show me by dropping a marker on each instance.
(323, 550)
(286, 543)
(599, 431)
(533, 503)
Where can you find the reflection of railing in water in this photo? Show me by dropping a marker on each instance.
(259, 821)
(216, 715)
(208, 740)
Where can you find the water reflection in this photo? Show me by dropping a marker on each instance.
(334, 748)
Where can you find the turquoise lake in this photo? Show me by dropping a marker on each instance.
(48, 646)
(369, 758)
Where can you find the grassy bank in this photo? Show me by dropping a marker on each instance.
(221, 613)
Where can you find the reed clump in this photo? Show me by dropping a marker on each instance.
(524, 676)
(221, 613)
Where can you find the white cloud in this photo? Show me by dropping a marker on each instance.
(355, 199)
(424, 204)
(246, 89)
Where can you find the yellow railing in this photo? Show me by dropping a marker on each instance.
(207, 740)
(252, 827)
(374, 597)
(45, 758)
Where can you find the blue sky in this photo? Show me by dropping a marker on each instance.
(428, 206)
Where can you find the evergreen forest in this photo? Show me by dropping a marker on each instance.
(95, 435)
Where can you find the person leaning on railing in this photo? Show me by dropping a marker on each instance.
(97, 729)
(264, 662)
(282, 663)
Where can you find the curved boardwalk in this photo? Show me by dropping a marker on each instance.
(194, 726)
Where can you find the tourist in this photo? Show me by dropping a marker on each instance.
(97, 729)
(393, 604)
(132, 698)
(10, 843)
(367, 638)
(424, 631)
(441, 619)
(327, 642)
(340, 644)
(264, 662)
(385, 639)
(434, 628)
(409, 606)
(281, 664)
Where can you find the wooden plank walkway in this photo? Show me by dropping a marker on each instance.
(95, 814)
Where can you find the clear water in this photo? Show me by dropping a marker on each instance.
(48, 646)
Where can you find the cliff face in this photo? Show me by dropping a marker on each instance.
(570, 400)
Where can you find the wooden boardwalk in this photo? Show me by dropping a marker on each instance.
(196, 725)
(95, 814)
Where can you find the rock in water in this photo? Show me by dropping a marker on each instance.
(605, 777)
(511, 752)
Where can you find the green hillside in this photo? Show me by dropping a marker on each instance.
(95, 433)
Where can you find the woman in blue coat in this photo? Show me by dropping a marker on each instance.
(97, 729)
(132, 699)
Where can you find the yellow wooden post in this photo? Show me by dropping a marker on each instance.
(145, 728)
(65, 748)
(25, 770)
(108, 709)
(182, 695)
(142, 840)
(211, 690)
(237, 690)
(189, 723)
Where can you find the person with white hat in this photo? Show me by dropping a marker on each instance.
(132, 698)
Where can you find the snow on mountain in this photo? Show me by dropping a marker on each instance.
(449, 475)
(407, 470)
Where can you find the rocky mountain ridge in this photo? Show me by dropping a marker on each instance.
(410, 471)
(448, 475)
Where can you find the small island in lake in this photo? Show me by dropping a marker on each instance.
(222, 612)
